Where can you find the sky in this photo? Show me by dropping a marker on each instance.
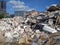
(28, 5)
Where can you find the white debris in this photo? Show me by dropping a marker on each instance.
(49, 29)
(8, 36)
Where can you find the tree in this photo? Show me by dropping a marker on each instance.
(2, 15)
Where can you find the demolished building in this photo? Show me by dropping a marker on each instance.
(34, 28)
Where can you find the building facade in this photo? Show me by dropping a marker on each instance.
(20, 13)
(2, 6)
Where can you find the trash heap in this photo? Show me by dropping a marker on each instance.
(39, 29)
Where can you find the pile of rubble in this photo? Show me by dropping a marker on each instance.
(30, 30)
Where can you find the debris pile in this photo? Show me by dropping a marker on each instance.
(31, 29)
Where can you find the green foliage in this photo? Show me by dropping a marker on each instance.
(2, 15)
